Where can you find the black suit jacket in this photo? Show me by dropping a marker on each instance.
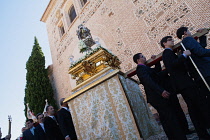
(52, 129)
(39, 133)
(176, 67)
(202, 41)
(150, 79)
(66, 123)
(27, 135)
(200, 56)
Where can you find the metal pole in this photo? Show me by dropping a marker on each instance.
(197, 68)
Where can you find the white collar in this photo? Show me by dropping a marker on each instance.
(52, 117)
(66, 108)
(41, 123)
(32, 128)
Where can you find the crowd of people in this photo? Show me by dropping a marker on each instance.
(180, 76)
(54, 126)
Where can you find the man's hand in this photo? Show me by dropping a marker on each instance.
(8, 137)
(153, 56)
(165, 94)
(200, 30)
(67, 138)
(187, 52)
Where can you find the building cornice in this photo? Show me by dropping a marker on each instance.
(48, 10)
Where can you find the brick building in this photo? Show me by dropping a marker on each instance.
(123, 26)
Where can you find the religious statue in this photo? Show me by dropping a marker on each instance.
(85, 37)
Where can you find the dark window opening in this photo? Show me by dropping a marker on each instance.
(72, 14)
(62, 30)
(83, 2)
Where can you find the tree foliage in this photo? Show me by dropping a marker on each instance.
(38, 87)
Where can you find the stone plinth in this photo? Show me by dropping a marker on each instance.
(111, 108)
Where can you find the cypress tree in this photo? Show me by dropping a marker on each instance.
(38, 87)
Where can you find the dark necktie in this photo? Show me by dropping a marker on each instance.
(55, 119)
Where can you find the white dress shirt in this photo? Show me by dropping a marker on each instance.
(42, 125)
(32, 130)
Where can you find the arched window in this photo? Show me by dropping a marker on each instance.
(72, 13)
(83, 2)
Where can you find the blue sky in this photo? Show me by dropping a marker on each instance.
(19, 23)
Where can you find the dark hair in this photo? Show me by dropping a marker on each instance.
(135, 57)
(37, 115)
(29, 120)
(61, 101)
(181, 31)
(47, 107)
(164, 40)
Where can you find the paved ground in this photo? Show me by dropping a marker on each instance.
(162, 136)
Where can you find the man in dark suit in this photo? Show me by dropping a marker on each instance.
(159, 98)
(29, 133)
(51, 126)
(201, 57)
(65, 121)
(39, 129)
(184, 85)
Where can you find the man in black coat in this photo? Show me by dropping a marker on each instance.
(65, 121)
(159, 98)
(29, 133)
(51, 126)
(201, 57)
(39, 129)
(184, 85)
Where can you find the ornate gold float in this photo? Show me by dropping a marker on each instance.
(94, 63)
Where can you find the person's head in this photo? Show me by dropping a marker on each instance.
(167, 42)
(50, 110)
(183, 32)
(64, 104)
(139, 58)
(29, 123)
(40, 117)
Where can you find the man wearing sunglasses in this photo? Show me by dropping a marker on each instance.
(159, 98)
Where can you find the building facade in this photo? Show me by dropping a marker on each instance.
(124, 27)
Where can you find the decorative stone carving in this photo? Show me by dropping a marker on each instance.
(170, 20)
(177, 14)
(119, 30)
(143, 7)
(103, 10)
(90, 10)
(89, 67)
